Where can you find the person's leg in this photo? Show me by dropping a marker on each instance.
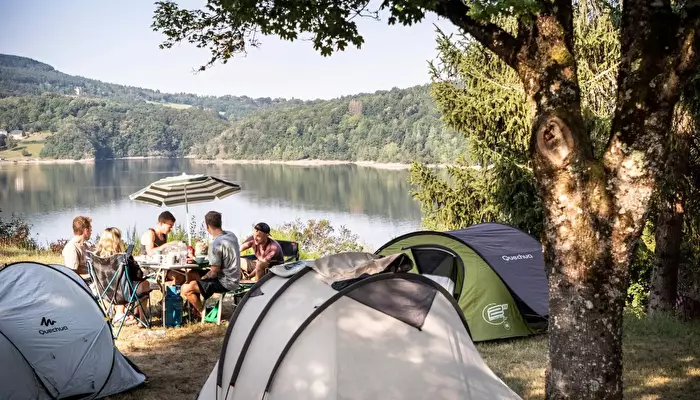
(191, 291)
(176, 278)
(118, 310)
(247, 268)
(261, 269)
(194, 275)
(143, 287)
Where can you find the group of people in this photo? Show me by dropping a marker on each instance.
(226, 266)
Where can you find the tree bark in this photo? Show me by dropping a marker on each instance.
(669, 222)
(664, 279)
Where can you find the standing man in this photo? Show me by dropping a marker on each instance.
(74, 251)
(224, 265)
(267, 251)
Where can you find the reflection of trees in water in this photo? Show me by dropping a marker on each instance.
(53, 187)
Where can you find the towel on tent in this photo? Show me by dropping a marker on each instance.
(351, 265)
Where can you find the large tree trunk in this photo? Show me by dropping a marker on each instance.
(595, 209)
(669, 221)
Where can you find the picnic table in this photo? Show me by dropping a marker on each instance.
(161, 270)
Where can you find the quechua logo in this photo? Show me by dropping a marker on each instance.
(48, 322)
(517, 257)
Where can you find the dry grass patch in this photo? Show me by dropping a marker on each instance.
(176, 106)
(520, 363)
(14, 254)
(661, 360)
(177, 361)
(33, 144)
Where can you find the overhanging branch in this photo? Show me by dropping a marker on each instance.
(493, 37)
(689, 33)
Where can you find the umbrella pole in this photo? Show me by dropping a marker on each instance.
(187, 223)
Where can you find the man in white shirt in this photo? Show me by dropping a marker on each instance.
(74, 251)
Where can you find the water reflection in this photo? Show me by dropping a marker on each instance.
(374, 203)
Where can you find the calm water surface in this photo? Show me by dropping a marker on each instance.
(375, 204)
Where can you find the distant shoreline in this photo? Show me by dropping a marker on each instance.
(300, 163)
(319, 163)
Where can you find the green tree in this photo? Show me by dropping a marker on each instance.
(594, 205)
(11, 142)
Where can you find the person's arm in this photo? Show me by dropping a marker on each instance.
(266, 259)
(247, 244)
(215, 261)
(147, 241)
(213, 272)
(71, 258)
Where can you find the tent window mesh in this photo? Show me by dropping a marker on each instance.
(435, 262)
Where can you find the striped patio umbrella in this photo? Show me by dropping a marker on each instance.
(184, 190)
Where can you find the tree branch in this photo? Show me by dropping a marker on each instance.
(493, 37)
(689, 35)
(659, 56)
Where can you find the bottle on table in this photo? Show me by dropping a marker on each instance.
(182, 252)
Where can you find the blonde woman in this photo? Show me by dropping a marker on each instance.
(110, 244)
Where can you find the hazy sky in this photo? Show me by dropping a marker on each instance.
(112, 41)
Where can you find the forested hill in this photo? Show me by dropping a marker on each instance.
(399, 125)
(24, 76)
(108, 121)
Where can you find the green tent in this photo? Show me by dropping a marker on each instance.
(495, 272)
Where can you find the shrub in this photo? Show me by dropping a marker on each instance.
(57, 246)
(179, 233)
(16, 232)
(318, 238)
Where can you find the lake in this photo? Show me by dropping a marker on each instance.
(373, 203)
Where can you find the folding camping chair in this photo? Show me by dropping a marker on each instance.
(290, 252)
(110, 276)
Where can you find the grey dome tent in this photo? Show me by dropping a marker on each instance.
(349, 326)
(494, 271)
(55, 342)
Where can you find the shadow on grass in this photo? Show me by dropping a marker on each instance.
(661, 360)
(177, 361)
(176, 364)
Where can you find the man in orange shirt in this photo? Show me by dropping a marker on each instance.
(267, 252)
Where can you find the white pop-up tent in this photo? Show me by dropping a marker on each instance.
(354, 326)
(55, 342)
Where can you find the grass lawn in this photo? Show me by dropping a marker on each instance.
(33, 144)
(176, 106)
(661, 356)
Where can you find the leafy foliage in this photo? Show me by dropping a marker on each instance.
(16, 232)
(399, 125)
(11, 142)
(482, 97)
(57, 246)
(102, 129)
(318, 238)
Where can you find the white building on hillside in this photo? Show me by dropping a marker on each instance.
(16, 134)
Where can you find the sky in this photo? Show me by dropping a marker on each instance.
(112, 41)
